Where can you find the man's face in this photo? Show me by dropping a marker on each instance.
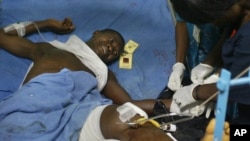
(108, 46)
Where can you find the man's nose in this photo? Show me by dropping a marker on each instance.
(110, 48)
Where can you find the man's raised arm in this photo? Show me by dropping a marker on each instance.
(22, 47)
(28, 27)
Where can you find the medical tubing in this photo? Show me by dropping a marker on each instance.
(161, 116)
(179, 120)
(156, 117)
(39, 32)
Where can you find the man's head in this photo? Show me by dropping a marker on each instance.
(108, 44)
(205, 11)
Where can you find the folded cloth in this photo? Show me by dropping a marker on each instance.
(51, 106)
(29, 68)
(87, 56)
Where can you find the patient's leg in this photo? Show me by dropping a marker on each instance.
(111, 127)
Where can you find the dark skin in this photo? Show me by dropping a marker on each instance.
(44, 52)
(113, 129)
(238, 14)
(48, 59)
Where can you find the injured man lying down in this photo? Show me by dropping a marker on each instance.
(60, 97)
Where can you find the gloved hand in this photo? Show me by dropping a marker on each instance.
(199, 73)
(174, 82)
(211, 79)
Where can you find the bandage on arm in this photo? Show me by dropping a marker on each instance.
(128, 110)
(25, 28)
(18, 28)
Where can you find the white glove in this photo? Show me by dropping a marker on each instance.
(199, 73)
(211, 79)
(174, 82)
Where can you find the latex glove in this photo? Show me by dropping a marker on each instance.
(199, 73)
(175, 79)
(211, 79)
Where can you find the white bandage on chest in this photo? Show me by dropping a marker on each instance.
(129, 110)
(19, 27)
(87, 56)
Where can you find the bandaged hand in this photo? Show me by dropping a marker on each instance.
(183, 102)
(200, 72)
(175, 79)
(193, 109)
(184, 96)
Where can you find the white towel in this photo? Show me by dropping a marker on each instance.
(87, 56)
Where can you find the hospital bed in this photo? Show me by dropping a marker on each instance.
(146, 22)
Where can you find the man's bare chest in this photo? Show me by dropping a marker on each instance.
(55, 60)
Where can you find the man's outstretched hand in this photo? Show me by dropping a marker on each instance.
(61, 27)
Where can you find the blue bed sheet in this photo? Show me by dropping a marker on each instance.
(147, 22)
(66, 103)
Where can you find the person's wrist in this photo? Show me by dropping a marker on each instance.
(179, 66)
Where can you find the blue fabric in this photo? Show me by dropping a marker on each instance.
(197, 52)
(50, 107)
(147, 22)
(209, 36)
(236, 58)
(12, 70)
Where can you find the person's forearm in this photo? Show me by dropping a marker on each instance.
(182, 41)
(214, 58)
(41, 25)
(30, 28)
